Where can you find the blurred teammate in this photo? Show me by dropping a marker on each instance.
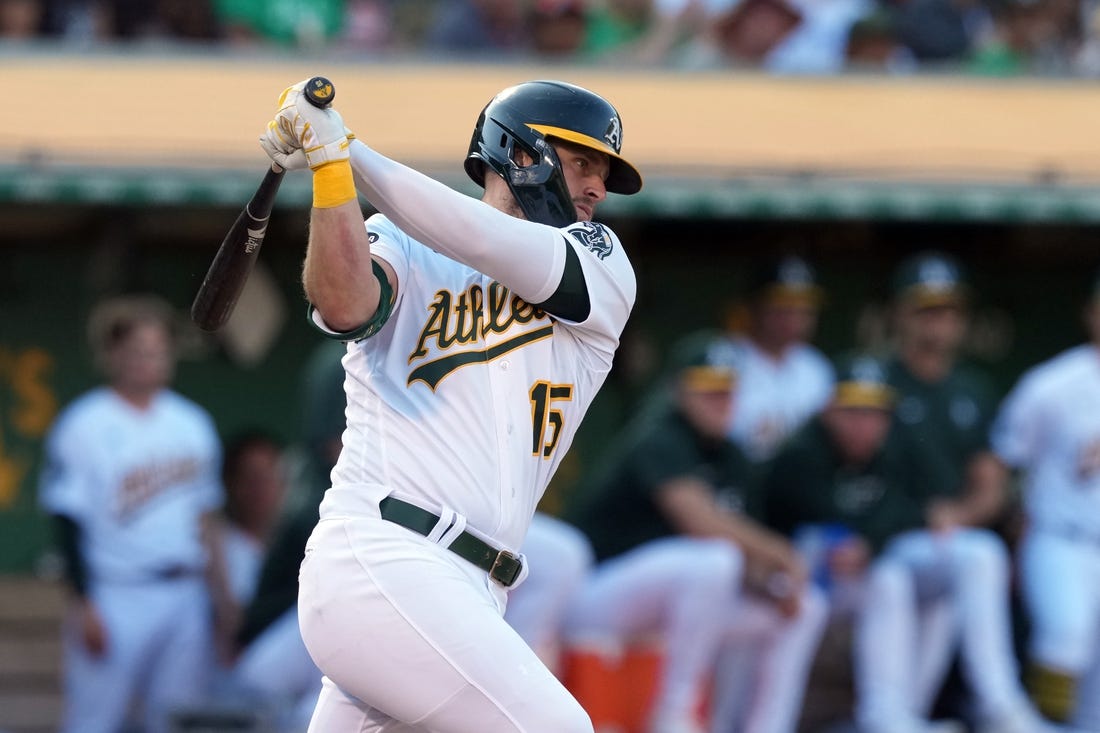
(274, 667)
(783, 380)
(478, 334)
(944, 587)
(1049, 427)
(561, 558)
(255, 486)
(131, 478)
(680, 555)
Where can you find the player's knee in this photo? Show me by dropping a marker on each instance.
(1065, 644)
(716, 562)
(889, 583)
(814, 610)
(978, 552)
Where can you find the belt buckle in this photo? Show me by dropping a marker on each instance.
(506, 568)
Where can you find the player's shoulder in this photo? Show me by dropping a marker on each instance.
(85, 410)
(811, 359)
(595, 237)
(1065, 369)
(185, 407)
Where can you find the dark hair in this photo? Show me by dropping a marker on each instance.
(113, 320)
(236, 448)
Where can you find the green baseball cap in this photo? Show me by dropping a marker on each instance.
(930, 279)
(861, 381)
(788, 279)
(704, 362)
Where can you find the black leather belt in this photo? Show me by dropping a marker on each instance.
(501, 565)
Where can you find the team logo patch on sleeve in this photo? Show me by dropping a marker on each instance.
(594, 237)
(372, 237)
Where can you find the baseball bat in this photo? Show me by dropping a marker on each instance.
(240, 247)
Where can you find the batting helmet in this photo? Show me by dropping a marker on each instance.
(526, 115)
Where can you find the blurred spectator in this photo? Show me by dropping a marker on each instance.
(751, 31)
(938, 31)
(874, 44)
(131, 478)
(1036, 36)
(615, 26)
(20, 19)
(1049, 427)
(301, 23)
(783, 378)
(557, 27)
(368, 25)
(255, 485)
(479, 27)
(680, 554)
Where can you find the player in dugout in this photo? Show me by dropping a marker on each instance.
(478, 333)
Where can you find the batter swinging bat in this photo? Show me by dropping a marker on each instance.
(237, 254)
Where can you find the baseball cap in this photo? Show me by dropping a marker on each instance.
(930, 279)
(861, 382)
(786, 280)
(704, 362)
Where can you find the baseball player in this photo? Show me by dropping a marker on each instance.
(131, 476)
(680, 555)
(944, 586)
(478, 334)
(1049, 426)
(782, 379)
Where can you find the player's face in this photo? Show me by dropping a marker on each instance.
(259, 485)
(784, 324)
(858, 432)
(143, 360)
(938, 328)
(586, 172)
(709, 411)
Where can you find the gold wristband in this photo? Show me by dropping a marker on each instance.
(333, 184)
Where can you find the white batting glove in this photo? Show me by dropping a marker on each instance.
(299, 127)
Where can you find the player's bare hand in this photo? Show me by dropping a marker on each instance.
(92, 631)
(299, 126)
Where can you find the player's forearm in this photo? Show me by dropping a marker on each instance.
(337, 275)
(528, 258)
(986, 491)
(69, 543)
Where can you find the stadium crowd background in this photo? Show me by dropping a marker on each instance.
(989, 37)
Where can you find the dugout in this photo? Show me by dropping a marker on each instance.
(852, 172)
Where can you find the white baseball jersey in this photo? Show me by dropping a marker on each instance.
(468, 398)
(1050, 425)
(136, 481)
(774, 398)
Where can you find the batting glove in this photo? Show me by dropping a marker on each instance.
(285, 154)
(300, 126)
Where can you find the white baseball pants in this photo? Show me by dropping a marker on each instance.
(411, 637)
(926, 593)
(159, 650)
(689, 591)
